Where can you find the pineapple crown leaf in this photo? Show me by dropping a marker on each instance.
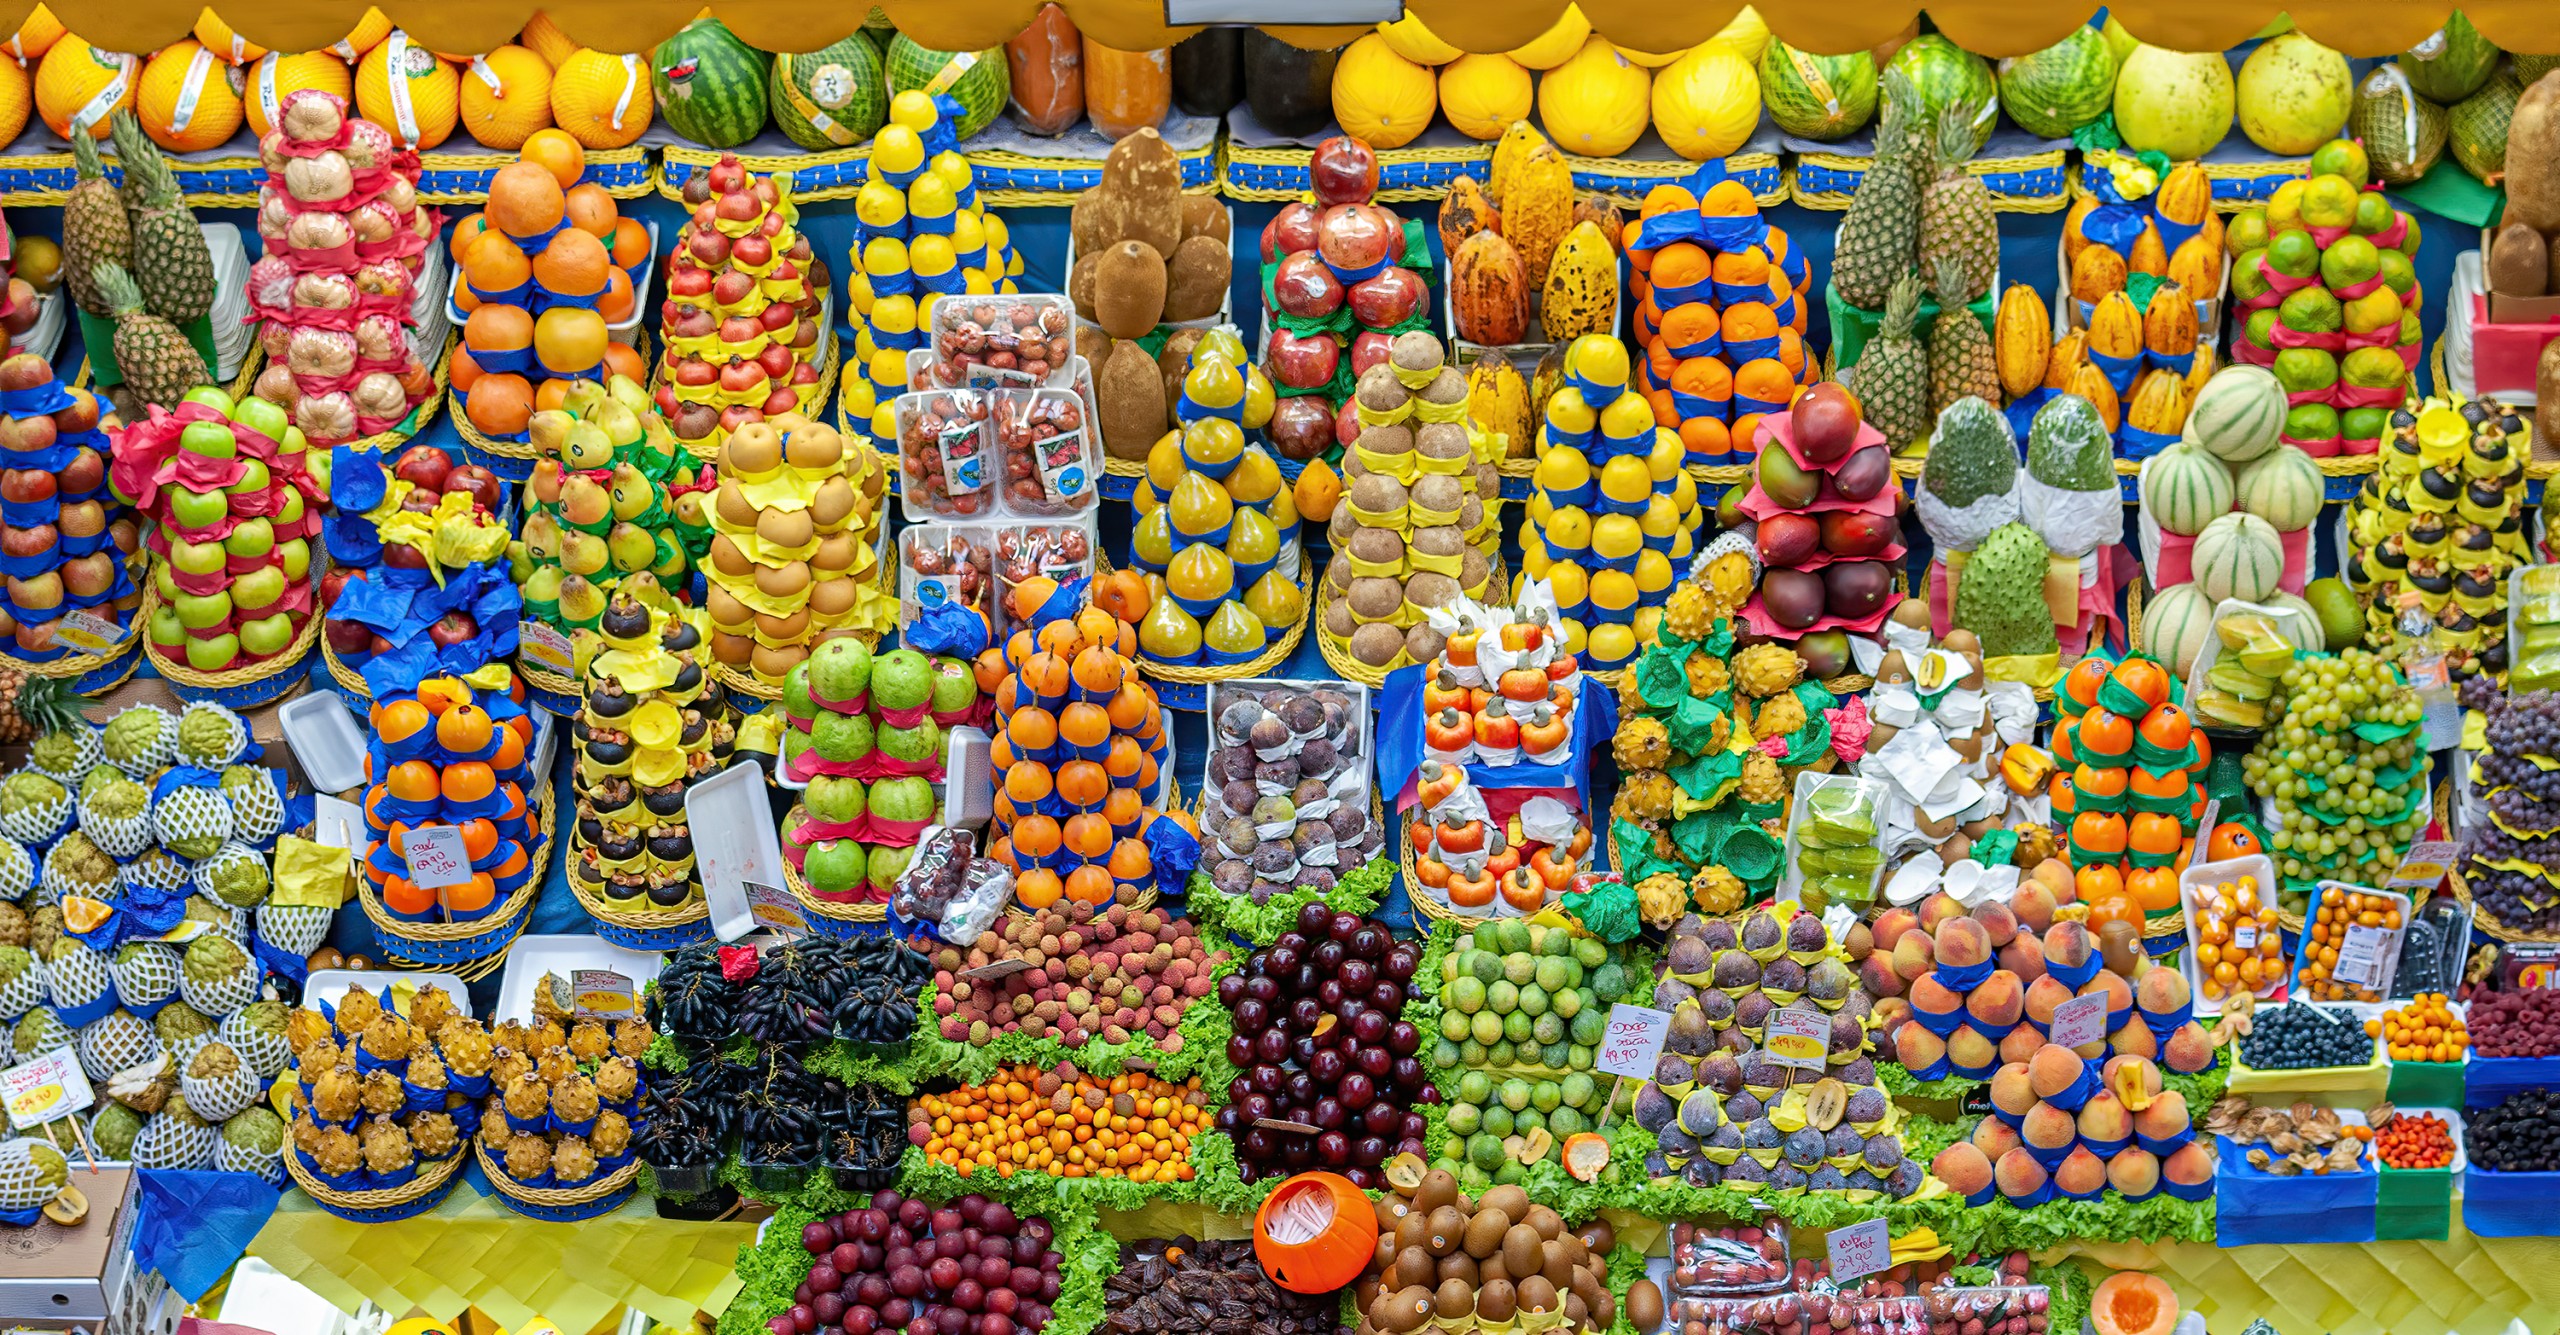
(85, 159)
(48, 704)
(117, 286)
(1902, 306)
(1947, 279)
(142, 160)
(1954, 139)
(1893, 123)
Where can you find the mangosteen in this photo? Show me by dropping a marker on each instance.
(693, 727)
(670, 844)
(619, 844)
(688, 676)
(664, 801)
(608, 700)
(668, 892)
(623, 619)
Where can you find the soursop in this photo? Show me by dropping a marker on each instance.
(2069, 495)
(21, 982)
(146, 973)
(31, 1173)
(192, 822)
(1969, 484)
(2001, 597)
(216, 1082)
(252, 1142)
(140, 739)
(236, 875)
(115, 1041)
(218, 976)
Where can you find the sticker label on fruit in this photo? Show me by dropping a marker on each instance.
(1800, 1039)
(2244, 936)
(50, 1087)
(1062, 466)
(1863, 1248)
(963, 447)
(2080, 1020)
(436, 856)
(1632, 1044)
(545, 647)
(979, 375)
(2361, 955)
(87, 631)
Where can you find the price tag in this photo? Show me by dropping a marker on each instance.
(1860, 1249)
(2244, 936)
(2423, 867)
(42, 1090)
(2080, 1020)
(546, 647)
(436, 856)
(1797, 1038)
(2525, 967)
(775, 911)
(87, 631)
(2360, 956)
(1632, 1044)
(603, 994)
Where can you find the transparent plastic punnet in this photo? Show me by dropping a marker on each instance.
(2013, 1309)
(2533, 628)
(1004, 342)
(1831, 854)
(1050, 454)
(946, 450)
(1725, 1260)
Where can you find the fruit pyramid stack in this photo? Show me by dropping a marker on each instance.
(2133, 350)
(794, 559)
(545, 269)
(867, 737)
(744, 317)
(2129, 786)
(1419, 522)
(1721, 311)
(923, 234)
(2442, 520)
(1824, 498)
(1219, 523)
(2061, 1125)
(2329, 301)
(1615, 517)
(1345, 276)
(345, 237)
(612, 500)
(234, 494)
(428, 558)
(1082, 754)
(447, 754)
(653, 723)
(1573, 280)
(66, 542)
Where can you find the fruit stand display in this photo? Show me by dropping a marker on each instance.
(452, 756)
(67, 544)
(433, 592)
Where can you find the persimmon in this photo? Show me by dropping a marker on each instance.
(2148, 681)
(2099, 832)
(1083, 784)
(495, 264)
(479, 839)
(2104, 733)
(2166, 727)
(471, 896)
(414, 781)
(1037, 888)
(2153, 889)
(468, 781)
(495, 328)
(2097, 881)
(2230, 839)
(499, 405)
(2114, 907)
(630, 244)
(463, 729)
(2152, 833)
(401, 720)
(400, 895)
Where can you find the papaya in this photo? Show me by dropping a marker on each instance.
(1581, 292)
(2097, 271)
(2185, 195)
(2159, 404)
(1538, 209)
(1489, 291)
(2069, 353)
(2169, 324)
(2023, 338)
(2090, 383)
(2115, 327)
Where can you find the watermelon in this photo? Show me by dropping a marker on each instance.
(833, 97)
(1817, 97)
(709, 85)
(2451, 63)
(2283, 487)
(2185, 488)
(2238, 556)
(1947, 75)
(977, 80)
(2238, 414)
(2061, 88)
(2174, 624)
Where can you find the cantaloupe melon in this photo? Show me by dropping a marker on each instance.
(2238, 556)
(1596, 104)
(2130, 1302)
(2185, 488)
(35, 36)
(602, 101)
(187, 102)
(278, 75)
(506, 96)
(2283, 487)
(421, 109)
(76, 79)
(1482, 95)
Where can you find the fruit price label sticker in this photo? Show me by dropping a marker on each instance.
(1632, 1044)
(603, 994)
(436, 856)
(2244, 936)
(774, 911)
(546, 648)
(2423, 867)
(2361, 955)
(46, 1088)
(87, 631)
(2080, 1020)
(1863, 1248)
(963, 447)
(1797, 1038)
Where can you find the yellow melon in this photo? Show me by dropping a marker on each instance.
(1746, 34)
(547, 41)
(1558, 44)
(1707, 103)
(17, 99)
(1652, 60)
(219, 39)
(602, 101)
(1381, 97)
(433, 92)
(370, 31)
(506, 96)
(1410, 39)
(187, 103)
(280, 74)
(1483, 95)
(1594, 104)
(35, 36)
(77, 79)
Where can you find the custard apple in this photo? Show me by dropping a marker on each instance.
(115, 812)
(256, 1032)
(33, 808)
(77, 866)
(175, 1137)
(115, 1041)
(210, 736)
(236, 875)
(156, 869)
(256, 810)
(146, 973)
(17, 870)
(216, 1082)
(38, 1031)
(296, 929)
(31, 1173)
(252, 1142)
(113, 1130)
(222, 918)
(218, 976)
(140, 739)
(192, 822)
(21, 981)
(179, 1025)
(65, 753)
(75, 975)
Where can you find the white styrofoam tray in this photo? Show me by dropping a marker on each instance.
(325, 737)
(534, 956)
(330, 984)
(2197, 880)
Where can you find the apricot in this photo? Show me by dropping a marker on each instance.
(1962, 943)
(1994, 1137)
(1998, 1002)
(2013, 1089)
(1931, 997)
(2165, 1119)
(2188, 1052)
(2080, 1173)
(2024, 956)
(1916, 1048)
(1970, 1051)
(2054, 1070)
(2018, 1175)
(2135, 1173)
(1963, 1168)
(2103, 1119)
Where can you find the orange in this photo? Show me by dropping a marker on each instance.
(494, 328)
(623, 360)
(556, 153)
(472, 895)
(617, 303)
(468, 781)
(499, 405)
(479, 839)
(574, 265)
(589, 209)
(525, 200)
(553, 395)
(568, 338)
(630, 244)
(495, 263)
(510, 752)
(400, 896)
(463, 371)
(414, 781)
(466, 230)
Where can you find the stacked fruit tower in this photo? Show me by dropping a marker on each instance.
(2129, 790)
(1219, 522)
(1569, 273)
(923, 235)
(446, 754)
(1720, 313)
(1420, 523)
(2062, 1126)
(2440, 523)
(234, 501)
(545, 270)
(423, 542)
(2139, 283)
(2329, 301)
(1823, 497)
(1343, 276)
(654, 722)
(868, 739)
(345, 236)
(65, 539)
(744, 316)
(1615, 517)
(794, 558)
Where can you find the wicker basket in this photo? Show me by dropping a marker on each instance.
(642, 930)
(511, 460)
(279, 678)
(349, 680)
(442, 944)
(560, 1205)
(414, 1197)
(1338, 655)
(827, 915)
(89, 674)
(559, 694)
(1187, 688)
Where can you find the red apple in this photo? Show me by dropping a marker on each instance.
(82, 519)
(348, 638)
(1346, 423)
(453, 628)
(86, 471)
(26, 485)
(337, 580)
(402, 556)
(424, 466)
(1292, 229)
(478, 483)
(1343, 170)
(1302, 286)
(35, 540)
(1387, 300)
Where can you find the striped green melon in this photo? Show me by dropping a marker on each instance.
(1947, 75)
(2174, 625)
(709, 85)
(2238, 556)
(2185, 489)
(1817, 97)
(2238, 414)
(2283, 487)
(833, 97)
(977, 80)
(2061, 88)
(2302, 631)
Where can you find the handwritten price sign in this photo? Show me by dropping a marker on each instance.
(1860, 1249)
(47, 1088)
(1632, 1044)
(2080, 1020)
(436, 856)
(1800, 1039)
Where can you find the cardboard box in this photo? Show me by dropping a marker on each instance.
(2516, 310)
(49, 1273)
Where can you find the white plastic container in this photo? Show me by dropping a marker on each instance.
(946, 417)
(323, 734)
(735, 843)
(330, 984)
(2194, 885)
(534, 956)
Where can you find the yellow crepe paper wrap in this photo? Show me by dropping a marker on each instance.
(309, 873)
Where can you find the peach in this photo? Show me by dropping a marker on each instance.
(2135, 1039)
(1996, 919)
(2162, 991)
(2047, 1127)
(2024, 956)
(2080, 1173)
(2012, 1089)
(2112, 1075)
(2053, 1070)
(2103, 1119)
(1994, 1137)
(1931, 997)
(2021, 1044)
(1962, 943)
(2134, 1172)
(2119, 995)
(2018, 1175)
(2068, 945)
(1962, 1167)
(2033, 904)
(1916, 1048)
(1891, 924)
(2165, 1119)
(1914, 955)
(2044, 996)
(1876, 975)
(1999, 1001)
(1939, 908)
(1891, 1011)
(2188, 1051)
(2055, 875)
(2189, 1165)
(1967, 1048)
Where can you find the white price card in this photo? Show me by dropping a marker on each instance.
(1801, 1039)
(49, 1087)
(1860, 1249)
(545, 648)
(2361, 955)
(775, 911)
(436, 856)
(2244, 936)
(2080, 1020)
(2423, 866)
(1632, 1044)
(602, 994)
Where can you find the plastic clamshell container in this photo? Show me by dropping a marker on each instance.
(2388, 953)
(326, 740)
(915, 412)
(1708, 1263)
(1869, 794)
(534, 956)
(2289, 622)
(1007, 546)
(2195, 884)
(2427, 1084)
(735, 841)
(952, 315)
(1363, 727)
(627, 331)
(2453, 920)
(917, 590)
(2353, 1086)
(1067, 464)
(330, 984)
(2533, 628)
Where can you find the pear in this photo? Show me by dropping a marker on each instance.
(580, 600)
(542, 536)
(632, 494)
(582, 553)
(584, 502)
(630, 547)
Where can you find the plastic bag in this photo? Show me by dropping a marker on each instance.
(1726, 1259)
(1969, 486)
(326, 417)
(947, 884)
(321, 352)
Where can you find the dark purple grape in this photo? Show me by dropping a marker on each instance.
(1231, 990)
(1344, 925)
(1314, 917)
(1330, 1113)
(1380, 1118)
(1369, 942)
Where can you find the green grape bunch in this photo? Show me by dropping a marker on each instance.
(2340, 801)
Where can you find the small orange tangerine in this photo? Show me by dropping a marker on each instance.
(400, 720)
(472, 895)
(400, 896)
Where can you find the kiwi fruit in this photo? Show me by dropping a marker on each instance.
(1412, 1230)
(1588, 1289)
(1536, 1295)
(1484, 1232)
(1576, 1312)
(1575, 1251)
(1496, 1303)
(1455, 1298)
(1491, 1268)
(1412, 1266)
(1598, 1237)
(1402, 1310)
(1384, 1258)
(1555, 1265)
(1644, 1305)
(1509, 1199)
(1364, 1295)
(1549, 1224)
(1446, 1228)
(1459, 1265)
(1522, 1253)
(1439, 1187)
(1392, 1209)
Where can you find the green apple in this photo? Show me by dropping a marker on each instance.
(318, 463)
(267, 635)
(164, 579)
(213, 440)
(197, 509)
(254, 479)
(835, 865)
(197, 558)
(167, 630)
(831, 798)
(289, 506)
(203, 611)
(213, 655)
(265, 418)
(295, 556)
(293, 442)
(257, 591)
(251, 537)
(210, 397)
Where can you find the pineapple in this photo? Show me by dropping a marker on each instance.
(170, 261)
(1716, 890)
(115, 1041)
(1762, 784)
(1893, 371)
(1880, 234)
(1956, 222)
(158, 362)
(1765, 669)
(1962, 364)
(94, 229)
(36, 709)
